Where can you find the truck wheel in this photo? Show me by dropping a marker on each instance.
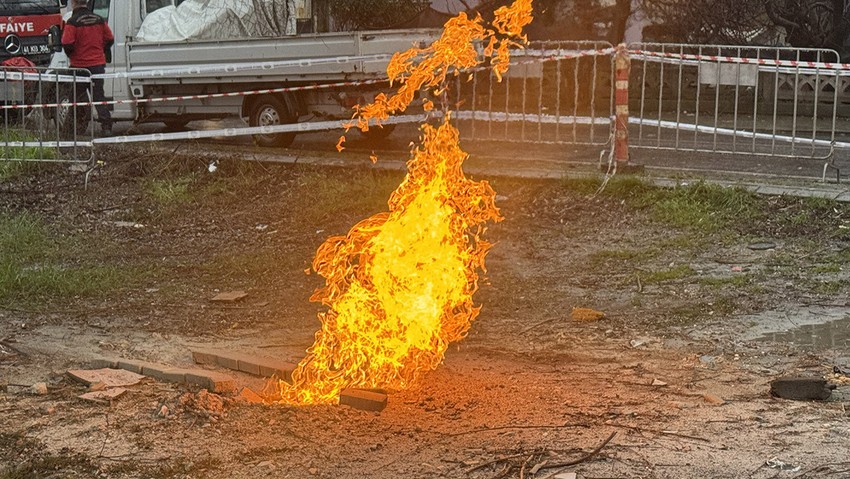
(66, 122)
(176, 125)
(267, 111)
(377, 133)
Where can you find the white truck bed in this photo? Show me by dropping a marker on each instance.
(172, 60)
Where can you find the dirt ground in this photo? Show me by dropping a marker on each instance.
(678, 370)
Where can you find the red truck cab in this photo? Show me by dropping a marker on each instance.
(31, 29)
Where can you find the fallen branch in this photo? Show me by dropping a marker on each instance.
(494, 461)
(582, 459)
(507, 428)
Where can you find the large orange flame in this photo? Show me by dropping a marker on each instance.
(399, 286)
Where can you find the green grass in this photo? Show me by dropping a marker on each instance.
(622, 256)
(670, 274)
(13, 162)
(35, 266)
(701, 207)
(169, 192)
(736, 281)
(323, 195)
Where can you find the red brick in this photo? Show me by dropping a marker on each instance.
(130, 365)
(211, 380)
(363, 400)
(273, 367)
(202, 356)
(250, 396)
(227, 361)
(174, 375)
(103, 363)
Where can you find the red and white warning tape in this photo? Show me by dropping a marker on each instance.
(264, 91)
(536, 56)
(841, 68)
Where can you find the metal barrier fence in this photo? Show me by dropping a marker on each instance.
(756, 101)
(39, 122)
(554, 93)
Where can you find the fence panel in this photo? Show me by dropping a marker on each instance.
(554, 93)
(756, 101)
(47, 115)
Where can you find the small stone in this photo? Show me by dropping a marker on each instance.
(658, 382)
(230, 297)
(313, 471)
(801, 388)
(39, 389)
(163, 411)
(713, 399)
(566, 475)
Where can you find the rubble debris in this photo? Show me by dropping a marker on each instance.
(39, 389)
(566, 475)
(658, 382)
(229, 297)
(109, 377)
(713, 399)
(7, 352)
(246, 363)
(586, 314)
(801, 388)
(103, 395)
(204, 403)
(363, 399)
(775, 463)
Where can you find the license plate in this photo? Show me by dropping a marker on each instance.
(35, 49)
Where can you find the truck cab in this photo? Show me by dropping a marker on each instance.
(30, 29)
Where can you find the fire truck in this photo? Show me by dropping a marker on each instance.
(30, 29)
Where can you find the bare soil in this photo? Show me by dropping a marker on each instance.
(676, 368)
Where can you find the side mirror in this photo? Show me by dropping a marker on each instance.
(63, 3)
(54, 39)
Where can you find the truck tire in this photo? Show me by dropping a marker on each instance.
(269, 110)
(377, 133)
(65, 115)
(176, 125)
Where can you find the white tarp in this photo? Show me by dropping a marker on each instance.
(219, 19)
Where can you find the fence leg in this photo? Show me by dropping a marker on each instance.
(622, 66)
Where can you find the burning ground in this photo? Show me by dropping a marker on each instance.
(127, 269)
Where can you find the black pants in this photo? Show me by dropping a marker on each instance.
(103, 113)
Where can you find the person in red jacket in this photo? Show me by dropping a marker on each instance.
(86, 40)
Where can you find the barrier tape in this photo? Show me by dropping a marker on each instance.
(257, 130)
(711, 130)
(12, 75)
(802, 66)
(195, 97)
(537, 57)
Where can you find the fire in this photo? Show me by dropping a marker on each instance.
(399, 285)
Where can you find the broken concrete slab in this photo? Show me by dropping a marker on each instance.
(229, 296)
(801, 388)
(363, 399)
(109, 377)
(104, 395)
